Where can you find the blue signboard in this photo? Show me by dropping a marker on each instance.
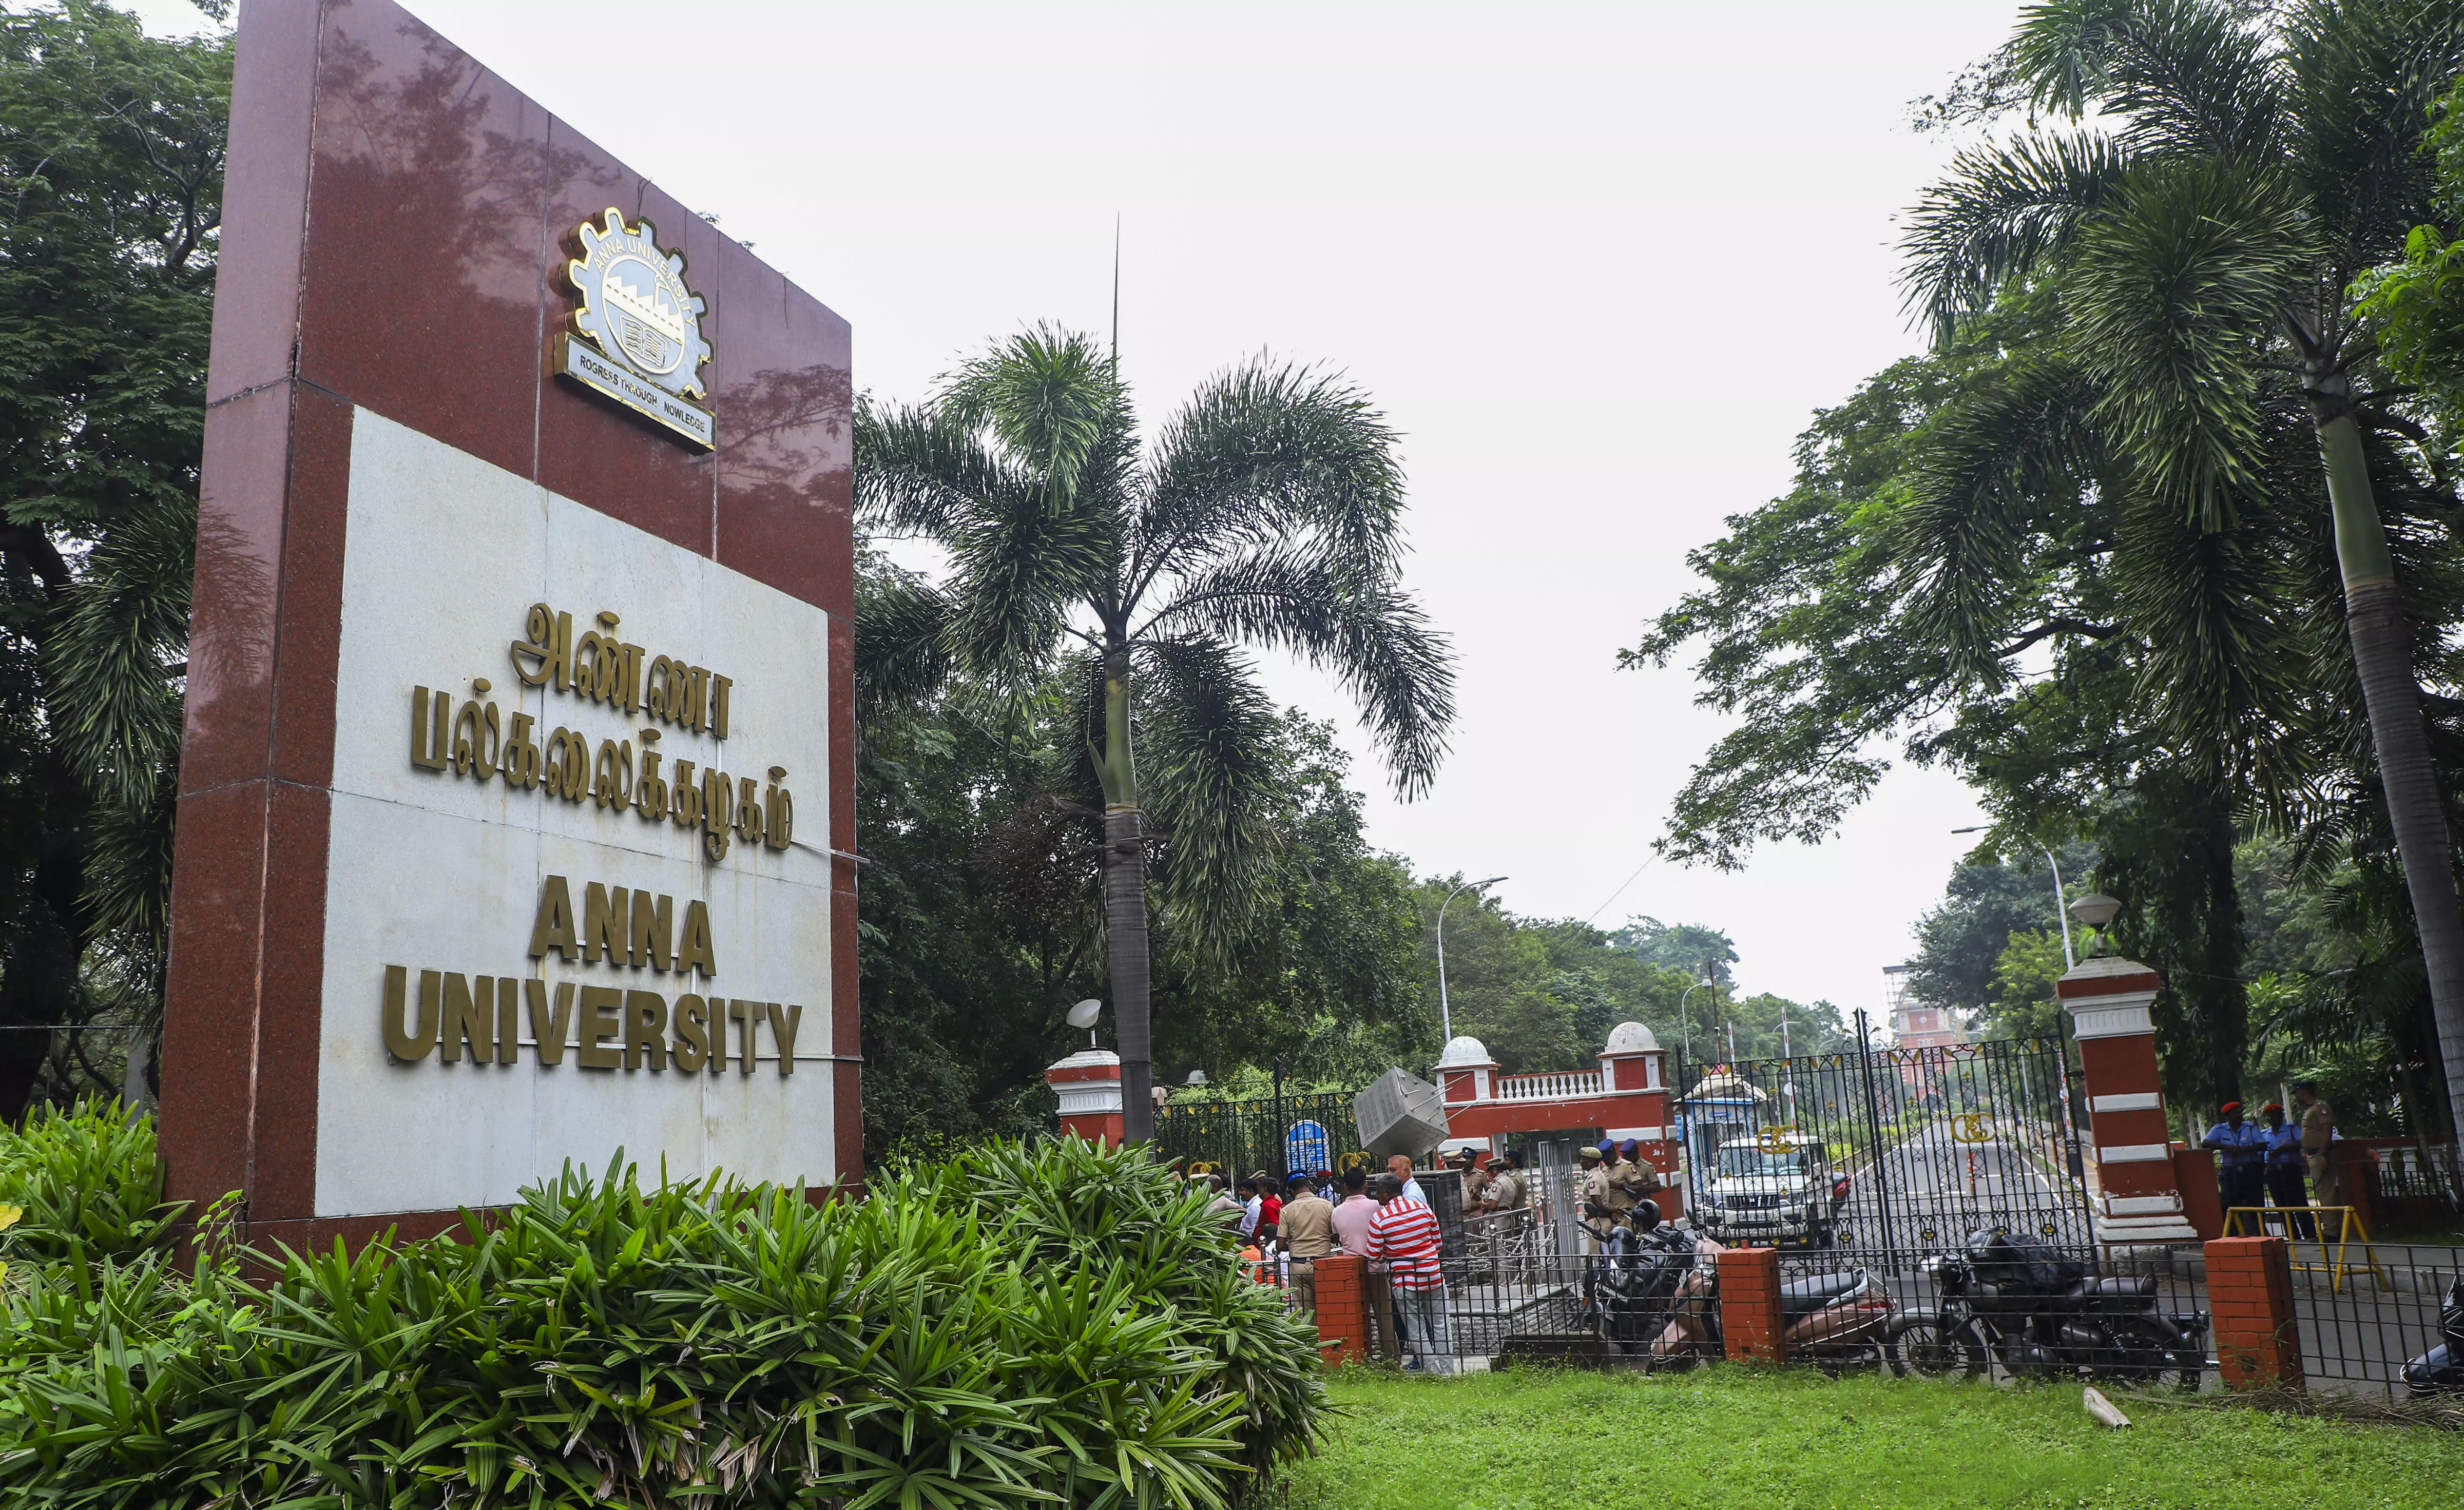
(1307, 1149)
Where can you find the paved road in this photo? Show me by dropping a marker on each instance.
(1938, 1187)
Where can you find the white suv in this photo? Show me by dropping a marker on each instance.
(1772, 1189)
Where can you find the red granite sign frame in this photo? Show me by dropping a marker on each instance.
(396, 220)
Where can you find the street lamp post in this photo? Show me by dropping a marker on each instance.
(1445, 1015)
(2061, 903)
(1684, 1023)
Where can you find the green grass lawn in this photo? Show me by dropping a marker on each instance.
(1571, 1440)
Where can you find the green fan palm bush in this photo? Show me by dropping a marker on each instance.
(1051, 1324)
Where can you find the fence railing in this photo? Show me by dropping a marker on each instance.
(1560, 1087)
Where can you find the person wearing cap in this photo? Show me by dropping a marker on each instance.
(1633, 1177)
(1475, 1179)
(2241, 1158)
(2284, 1169)
(1306, 1223)
(1505, 1190)
(1591, 1193)
(2317, 1137)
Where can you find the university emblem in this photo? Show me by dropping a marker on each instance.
(636, 337)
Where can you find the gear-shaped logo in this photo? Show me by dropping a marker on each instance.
(635, 306)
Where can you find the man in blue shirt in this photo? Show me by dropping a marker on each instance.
(2284, 1168)
(2241, 1158)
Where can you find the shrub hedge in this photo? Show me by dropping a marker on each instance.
(1041, 1324)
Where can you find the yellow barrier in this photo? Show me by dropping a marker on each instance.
(2347, 1231)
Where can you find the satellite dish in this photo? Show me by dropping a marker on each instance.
(1085, 1013)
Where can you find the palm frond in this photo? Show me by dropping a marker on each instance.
(1999, 217)
(1048, 398)
(109, 664)
(902, 626)
(918, 472)
(2366, 75)
(1994, 470)
(2177, 290)
(1354, 623)
(1268, 453)
(1207, 733)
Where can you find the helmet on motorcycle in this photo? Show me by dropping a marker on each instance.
(1645, 1216)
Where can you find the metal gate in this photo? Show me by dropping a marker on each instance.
(1886, 1153)
(1279, 1134)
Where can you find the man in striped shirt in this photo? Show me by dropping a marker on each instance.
(1404, 1239)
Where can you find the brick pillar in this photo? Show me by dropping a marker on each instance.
(2138, 1200)
(1342, 1307)
(1750, 1318)
(2250, 1286)
(1088, 1084)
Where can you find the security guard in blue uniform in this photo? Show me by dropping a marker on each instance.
(2241, 1157)
(2284, 1168)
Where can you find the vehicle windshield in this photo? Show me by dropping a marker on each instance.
(1752, 1159)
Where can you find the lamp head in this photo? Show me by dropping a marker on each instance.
(1085, 1013)
(1196, 1077)
(2095, 910)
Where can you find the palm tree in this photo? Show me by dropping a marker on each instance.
(2242, 166)
(1269, 513)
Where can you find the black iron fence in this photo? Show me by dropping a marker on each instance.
(1237, 1137)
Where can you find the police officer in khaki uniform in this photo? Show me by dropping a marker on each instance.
(1624, 1181)
(1632, 1176)
(2318, 1136)
(1591, 1194)
(1506, 1191)
(1475, 1180)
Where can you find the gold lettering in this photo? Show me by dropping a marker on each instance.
(465, 1021)
(684, 799)
(429, 739)
(551, 637)
(718, 812)
(748, 810)
(550, 1030)
(603, 923)
(653, 933)
(522, 766)
(691, 715)
(646, 1029)
(696, 952)
(612, 780)
(509, 1018)
(629, 692)
(783, 1024)
(649, 790)
(746, 1015)
(552, 929)
(401, 1040)
(654, 688)
(599, 1005)
(779, 827)
(718, 686)
(692, 1033)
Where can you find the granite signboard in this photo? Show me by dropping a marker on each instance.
(515, 821)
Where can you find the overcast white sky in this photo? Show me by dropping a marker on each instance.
(1598, 262)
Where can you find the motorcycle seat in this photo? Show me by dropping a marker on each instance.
(2123, 1286)
(1815, 1291)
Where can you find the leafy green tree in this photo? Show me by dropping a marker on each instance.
(2023, 1005)
(2244, 169)
(111, 143)
(1988, 902)
(1268, 514)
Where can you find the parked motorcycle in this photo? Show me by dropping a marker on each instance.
(2441, 1369)
(1630, 1284)
(1836, 1321)
(2039, 1315)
